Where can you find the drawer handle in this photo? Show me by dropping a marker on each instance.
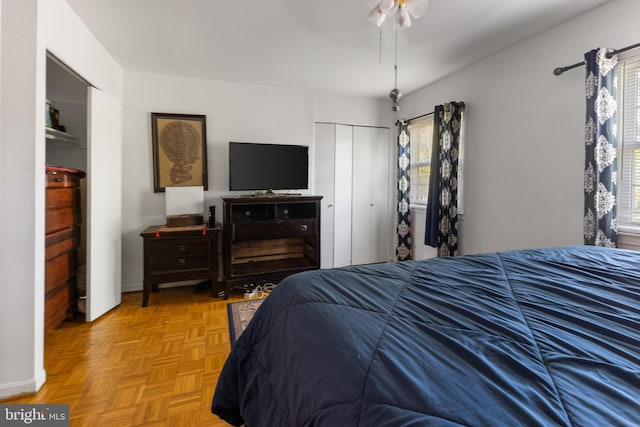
(182, 248)
(182, 261)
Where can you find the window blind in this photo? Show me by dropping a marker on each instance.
(629, 142)
(421, 136)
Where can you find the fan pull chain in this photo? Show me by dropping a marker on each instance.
(380, 47)
(395, 66)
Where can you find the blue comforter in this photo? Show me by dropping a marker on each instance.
(547, 337)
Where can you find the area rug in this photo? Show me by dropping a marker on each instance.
(240, 313)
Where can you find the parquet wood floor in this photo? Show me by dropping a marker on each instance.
(152, 366)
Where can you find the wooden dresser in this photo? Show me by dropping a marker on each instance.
(269, 238)
(63, 216)
(175, 254)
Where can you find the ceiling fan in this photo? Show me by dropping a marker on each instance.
(403, 9)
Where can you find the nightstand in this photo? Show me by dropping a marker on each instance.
(173, 254)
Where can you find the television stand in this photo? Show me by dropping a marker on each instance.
(269, 237)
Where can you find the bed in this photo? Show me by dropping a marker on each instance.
(540, 337)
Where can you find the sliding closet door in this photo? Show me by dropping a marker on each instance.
(324, 185)
(343, 178)
(104, 172)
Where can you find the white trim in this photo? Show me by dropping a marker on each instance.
(628, 229)
(420, 208)
(629, 238)
(31, 385)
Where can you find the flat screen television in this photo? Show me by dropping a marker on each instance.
(256, 167)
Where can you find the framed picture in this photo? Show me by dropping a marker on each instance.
(179, 150)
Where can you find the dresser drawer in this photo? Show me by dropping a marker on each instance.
(61, 241)
(169, 247)
(58, 219)
(161, 265)
(298, 228)
(61, 179)
(59, 270)
(273, 229)
(62, 197)
(58, 305)
(253, 230)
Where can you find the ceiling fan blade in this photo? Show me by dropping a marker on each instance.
(416, 7)
(387, 5)
(403, 19)
(384, 4)
(377, 15)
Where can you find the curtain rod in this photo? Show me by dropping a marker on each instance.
(420, 116)
(558, 71)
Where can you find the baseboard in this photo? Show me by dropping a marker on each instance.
(31, 385)
(137, 287)
(131, 287)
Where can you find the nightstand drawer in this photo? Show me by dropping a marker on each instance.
(161, 265)
(170, 247)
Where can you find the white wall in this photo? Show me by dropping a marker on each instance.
(21, 352)
(29, 28)
(350, 110)
(234, 112)
(525, 132)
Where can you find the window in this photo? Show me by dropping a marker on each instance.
(629, 142)
(421, 137)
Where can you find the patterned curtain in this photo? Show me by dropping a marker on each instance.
(601, 168)
(403, 249)
(441, 229)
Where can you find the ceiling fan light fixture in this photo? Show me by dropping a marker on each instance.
(404, 10)
(395, 95)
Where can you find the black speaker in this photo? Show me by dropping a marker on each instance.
(212, 217)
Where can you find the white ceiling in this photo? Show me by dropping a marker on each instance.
(319, 45)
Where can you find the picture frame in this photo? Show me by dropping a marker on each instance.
(179, 144)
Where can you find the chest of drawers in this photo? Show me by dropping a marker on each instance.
(62, 228)
(174, 254)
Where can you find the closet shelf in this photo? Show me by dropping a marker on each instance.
(57, 135)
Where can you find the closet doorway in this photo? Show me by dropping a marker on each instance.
(88, 139)
(353, 174)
